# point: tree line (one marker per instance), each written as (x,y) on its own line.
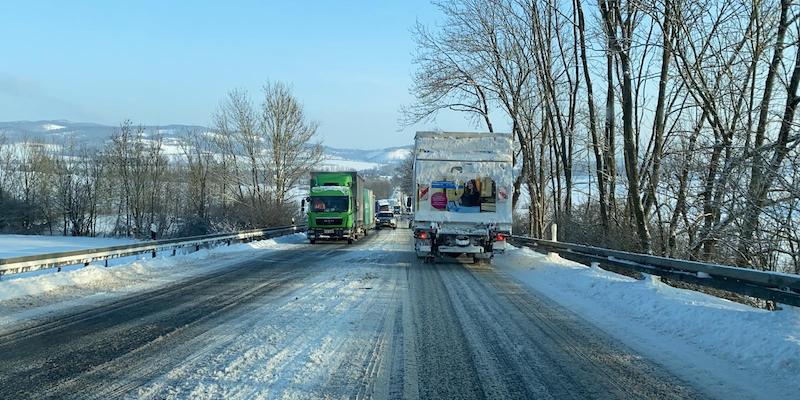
(239,174)
(664,127)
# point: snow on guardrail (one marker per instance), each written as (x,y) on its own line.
(17,265)
(766,285)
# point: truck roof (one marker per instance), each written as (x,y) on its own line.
(438,134)
(464,146)
(330,190)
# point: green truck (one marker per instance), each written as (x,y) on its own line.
(340,207)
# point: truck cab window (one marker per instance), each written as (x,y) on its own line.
(330,203)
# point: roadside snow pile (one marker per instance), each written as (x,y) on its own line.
(657,318)
(140,273)
(25,245)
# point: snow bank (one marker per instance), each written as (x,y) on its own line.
(658,319)
(142,272)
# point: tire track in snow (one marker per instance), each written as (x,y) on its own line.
(358,374)
(304,350)
(361,321)
(55,354)
(601,366)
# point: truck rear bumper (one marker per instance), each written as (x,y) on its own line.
(471,249)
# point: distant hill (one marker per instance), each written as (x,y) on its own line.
(61,132)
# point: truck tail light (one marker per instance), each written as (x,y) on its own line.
(500,237)
(423,235)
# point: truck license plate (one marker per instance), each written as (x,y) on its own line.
(328,231)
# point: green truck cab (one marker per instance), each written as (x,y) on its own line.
(339,207)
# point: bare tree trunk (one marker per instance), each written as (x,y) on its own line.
(629,136)
(596,145)
(756,194)
(659,118)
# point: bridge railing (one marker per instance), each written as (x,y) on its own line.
(766,285)
(17,265)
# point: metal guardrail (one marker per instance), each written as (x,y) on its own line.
(776,286)
(16,265)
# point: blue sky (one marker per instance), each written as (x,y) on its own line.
(163,62)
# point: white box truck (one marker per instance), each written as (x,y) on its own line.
(464,183)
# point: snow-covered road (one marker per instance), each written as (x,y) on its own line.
(329,321)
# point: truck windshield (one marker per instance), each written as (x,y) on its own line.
(330,203)
(385,215)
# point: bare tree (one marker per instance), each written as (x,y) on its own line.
(765,169)
(405,172)
(620,30)
(198,151)
(289,137)
(266,150)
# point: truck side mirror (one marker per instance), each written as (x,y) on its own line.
(303,205)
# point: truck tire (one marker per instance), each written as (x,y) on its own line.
(311,241)
(349,240)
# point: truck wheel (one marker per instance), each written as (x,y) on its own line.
(311,241)
(394,227)
(349,240)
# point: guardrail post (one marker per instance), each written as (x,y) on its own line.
(154,254)
(173,251)
(106,261)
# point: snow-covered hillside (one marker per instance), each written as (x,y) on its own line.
(61,132)
(378,156)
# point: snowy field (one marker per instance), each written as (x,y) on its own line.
(25,245)
(708,340)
